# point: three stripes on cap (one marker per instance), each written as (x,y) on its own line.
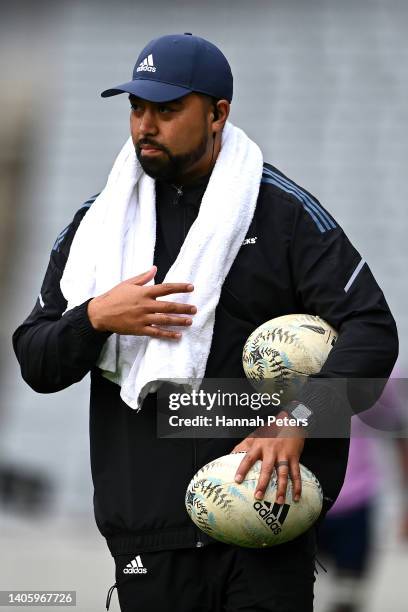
(147,64)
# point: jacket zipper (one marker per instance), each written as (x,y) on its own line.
(198,542)
(179,194)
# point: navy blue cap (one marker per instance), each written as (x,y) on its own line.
(173,66)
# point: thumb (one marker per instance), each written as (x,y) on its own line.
(145,277)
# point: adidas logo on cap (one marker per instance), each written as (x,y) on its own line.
(274,517)
(147,65)
(135,567)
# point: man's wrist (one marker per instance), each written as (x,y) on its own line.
(78,318)
(94,317)
(302,414)
(288,425)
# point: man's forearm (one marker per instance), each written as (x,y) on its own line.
(55,354)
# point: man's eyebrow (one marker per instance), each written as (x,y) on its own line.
(178,101)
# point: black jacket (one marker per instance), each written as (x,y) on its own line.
(295,259)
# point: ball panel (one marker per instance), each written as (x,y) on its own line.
(228,511)
(286,347)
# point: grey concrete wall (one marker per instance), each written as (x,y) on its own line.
(320,85)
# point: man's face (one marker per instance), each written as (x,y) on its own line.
(173,140)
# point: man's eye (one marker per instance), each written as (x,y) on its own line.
(135,106)
(165,109)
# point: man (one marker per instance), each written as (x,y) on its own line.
(294,258)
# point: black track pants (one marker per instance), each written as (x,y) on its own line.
(219,578)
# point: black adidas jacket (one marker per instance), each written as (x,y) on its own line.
(295,259)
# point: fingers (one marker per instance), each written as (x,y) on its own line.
(168,288)
(157,332)
(171,307)
(145,277)
(267,468)
(283,469)
(161,288)
(280,454)
(296,479)
(164,319)
(283,475)
(246,463)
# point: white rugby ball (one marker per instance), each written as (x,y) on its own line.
(229,512)
(288,348)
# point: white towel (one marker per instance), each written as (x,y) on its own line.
(116,240)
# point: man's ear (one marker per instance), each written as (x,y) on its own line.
(222,110)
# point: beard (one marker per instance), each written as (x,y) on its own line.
(169,167)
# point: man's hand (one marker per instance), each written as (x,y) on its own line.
(283,451)
(130,308)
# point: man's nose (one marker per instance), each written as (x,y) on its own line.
(148,124)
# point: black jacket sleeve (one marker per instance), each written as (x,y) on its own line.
(54,349)
(334,282)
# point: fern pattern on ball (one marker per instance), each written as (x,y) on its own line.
(286,350)
(198,509)
(209,466)
(262,360)
(214,492)
(196,505)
